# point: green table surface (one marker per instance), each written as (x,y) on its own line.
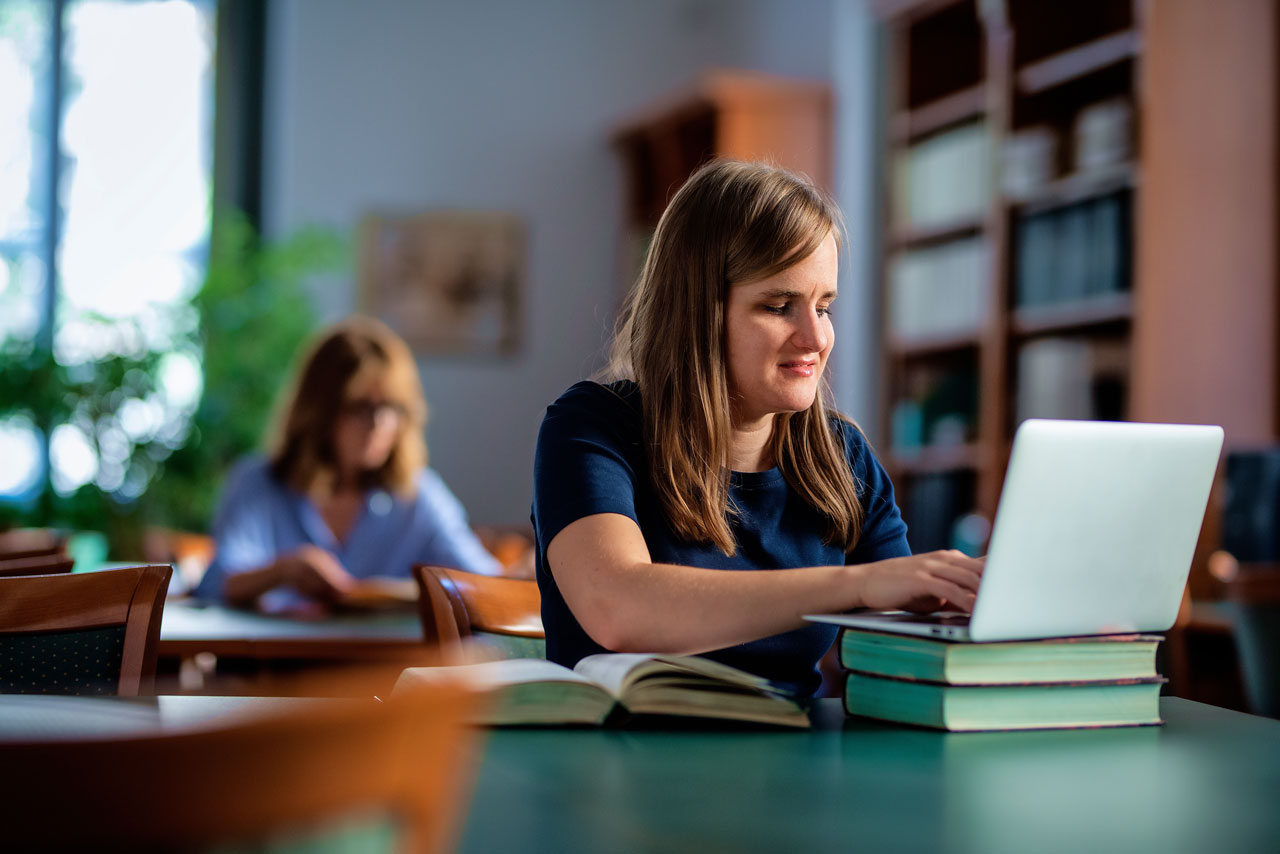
(1207,781)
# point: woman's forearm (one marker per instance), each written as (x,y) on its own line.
(679,609)
(242,589)
(628,603)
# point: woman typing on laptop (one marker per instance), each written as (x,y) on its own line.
(666,500)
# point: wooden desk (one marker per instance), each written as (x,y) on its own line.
(189,629)
(264,655)
(1206,781)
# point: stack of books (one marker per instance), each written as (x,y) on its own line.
(1059,683)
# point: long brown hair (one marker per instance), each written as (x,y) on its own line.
(339,364)
(731,222)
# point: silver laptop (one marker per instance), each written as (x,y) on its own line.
(1094,534)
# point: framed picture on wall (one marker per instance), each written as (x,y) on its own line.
(449,282)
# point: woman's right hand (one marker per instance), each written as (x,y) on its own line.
(926,582)
(315,573)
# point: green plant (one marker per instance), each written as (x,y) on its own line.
(89,397)
(243,328)
(254,316)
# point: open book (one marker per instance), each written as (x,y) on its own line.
(611,686)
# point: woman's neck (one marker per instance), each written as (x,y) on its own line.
(751,446)
(347,483)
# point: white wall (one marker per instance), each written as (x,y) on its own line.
(502,105)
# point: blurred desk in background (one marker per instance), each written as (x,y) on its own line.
(189,628)
(218,649)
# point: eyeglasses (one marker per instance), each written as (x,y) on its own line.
(370,411)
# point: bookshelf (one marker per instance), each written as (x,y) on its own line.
(1007,279)
(727,113)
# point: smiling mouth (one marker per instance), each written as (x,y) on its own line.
(804,367)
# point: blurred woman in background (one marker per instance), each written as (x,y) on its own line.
(345,493)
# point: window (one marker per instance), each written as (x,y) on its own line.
(106,138)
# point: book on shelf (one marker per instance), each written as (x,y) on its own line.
(939,290)
(1103,134)
(1072,377)
(973,708)
(934,501)
(940,409)
(613,687)
(943,179)
(1073,253)
(1249,532)
(1071,659)
(1028,161)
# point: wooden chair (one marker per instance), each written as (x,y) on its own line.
(30,542)
(454,605)
(339,775)
(56,563)
(512,545)
(93,632)
(189,552)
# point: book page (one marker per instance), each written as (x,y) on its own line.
(691,686)
(610,670)
(493,674)
(524,691)
(618,671)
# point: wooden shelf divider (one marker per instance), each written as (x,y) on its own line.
(916,236)
(1076,316)
(933,345)
(954,109)
(1073,64)
(930,459)
(1077,188)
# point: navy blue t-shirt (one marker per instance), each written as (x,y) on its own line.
(591,459)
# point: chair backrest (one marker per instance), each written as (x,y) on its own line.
(93,632)
(30,542)
(453,604)
(49,564)
(394,775)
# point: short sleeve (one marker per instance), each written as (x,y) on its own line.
(589,449)
(884,533)
(447,537)
(242,529)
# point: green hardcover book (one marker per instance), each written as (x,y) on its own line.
(972,708)
(1003,662)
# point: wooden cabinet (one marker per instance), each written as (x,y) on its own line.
(743,115)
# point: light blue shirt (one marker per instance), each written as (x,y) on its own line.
(260,518)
